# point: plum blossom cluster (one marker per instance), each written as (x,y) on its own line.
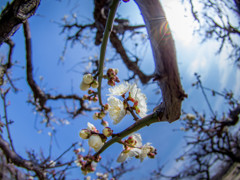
(133,101)
(123,99)
(112,77)
(133,148)
(95,140)
(88,81)
(87,163)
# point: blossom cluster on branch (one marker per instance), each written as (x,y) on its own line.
(123,99)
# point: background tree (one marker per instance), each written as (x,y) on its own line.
(218,20)
(212,143)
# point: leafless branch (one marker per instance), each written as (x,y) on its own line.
(14,14)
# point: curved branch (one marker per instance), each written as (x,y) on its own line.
(13,157)
(15,14)
(39,95)
(166,69)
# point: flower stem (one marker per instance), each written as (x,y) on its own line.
(107,31)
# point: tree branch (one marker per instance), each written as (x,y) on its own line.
(13,157)
(166,69)
(39,95)
(15,14)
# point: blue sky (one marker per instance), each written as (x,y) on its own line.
(48,44)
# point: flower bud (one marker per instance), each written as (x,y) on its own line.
(95,99)
(190,117)
(85,97)
(97,159)
(111,82)
(107,131)
(111,73)
(102,115)
(94,84)
(106,107)
(104,123)
(91,127)
(84,133)
(117,79)
(151,155)
(95,116)
(84,86)
(95,142)
(90,91)
(87,78)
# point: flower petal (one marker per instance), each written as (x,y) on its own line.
(122,157)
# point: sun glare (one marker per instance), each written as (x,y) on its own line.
(180,21)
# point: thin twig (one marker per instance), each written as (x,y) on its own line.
(65,151)
(204,94)
(3,96)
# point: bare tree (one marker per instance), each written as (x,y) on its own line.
(212,142)
(219,20)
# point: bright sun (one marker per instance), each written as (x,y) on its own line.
(181,23)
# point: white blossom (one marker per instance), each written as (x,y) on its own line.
(130,153)
(145,149)
(120,89)
(134,150)
(95,142)
(116,110)
(137,95)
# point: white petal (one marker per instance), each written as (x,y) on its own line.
(116,110)
(134,152)
(91,127)
(122,157)
(119,89)
(138,138)
(95,142)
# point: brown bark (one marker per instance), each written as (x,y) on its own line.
(13,157)
(15,14)
(163,48)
